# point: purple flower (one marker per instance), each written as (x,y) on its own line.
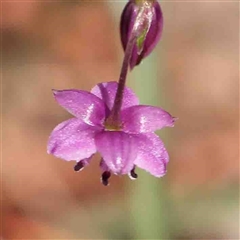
(146,19)
(122,148)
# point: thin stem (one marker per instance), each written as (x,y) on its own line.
(114,115)
(139,26)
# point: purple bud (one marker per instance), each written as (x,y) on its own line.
(143,18)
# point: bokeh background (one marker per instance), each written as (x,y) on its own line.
(193,74)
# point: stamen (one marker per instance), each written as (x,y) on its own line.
(79,166)
(105,176)
(133,175)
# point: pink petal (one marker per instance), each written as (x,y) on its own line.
(107,91)
(83,105)
(142,119)
(72,140)
(118,149)
(152,156)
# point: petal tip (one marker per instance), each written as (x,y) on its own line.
(51,149)
(55,92)
(174,119)
(162,173)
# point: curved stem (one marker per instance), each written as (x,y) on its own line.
(139,26)
(115,113)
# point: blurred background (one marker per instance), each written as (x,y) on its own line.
(193,74)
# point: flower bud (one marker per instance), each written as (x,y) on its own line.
(144,19)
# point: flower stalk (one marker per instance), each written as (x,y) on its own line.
(114,117)
(140,28)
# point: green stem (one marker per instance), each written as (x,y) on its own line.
(148,199)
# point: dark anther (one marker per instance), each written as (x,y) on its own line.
(132,174)
(79,166)
(105,176)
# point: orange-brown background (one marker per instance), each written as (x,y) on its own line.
(62,45)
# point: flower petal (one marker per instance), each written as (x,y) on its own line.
(142,119)
(83,105)
(72,140)
(107,91)
(153,156)
(118,149)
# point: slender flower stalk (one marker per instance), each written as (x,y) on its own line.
(114,117)
(141,25)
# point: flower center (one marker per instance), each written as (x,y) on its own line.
(112,126)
